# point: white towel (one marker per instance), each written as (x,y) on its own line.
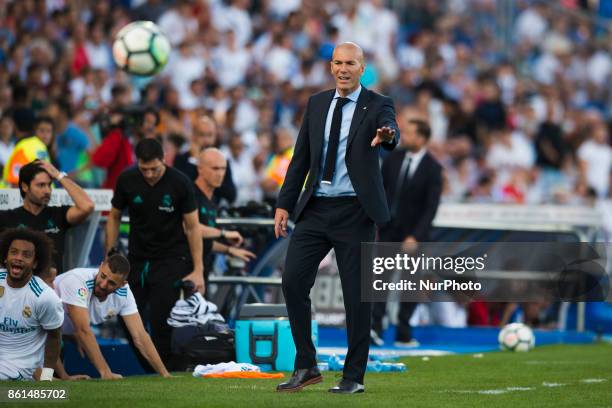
(232,366)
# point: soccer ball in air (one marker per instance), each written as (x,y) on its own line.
(516,337)
(140,48)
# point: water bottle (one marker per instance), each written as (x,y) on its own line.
(323,366)
(334,363)
(395,367)
(390,356)
(375,366)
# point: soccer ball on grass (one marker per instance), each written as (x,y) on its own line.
(516,337)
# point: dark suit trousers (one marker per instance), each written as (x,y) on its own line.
(342,224)
(404,330)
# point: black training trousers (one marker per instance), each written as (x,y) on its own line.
(156,285)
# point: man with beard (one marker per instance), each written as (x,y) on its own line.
(30,312)
(35,180)
(94,295)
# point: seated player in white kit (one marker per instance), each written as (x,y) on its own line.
(92,295)
(30,312)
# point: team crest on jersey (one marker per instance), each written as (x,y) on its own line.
(166,204)
(51,227)
(1,291)
(110,314)
(27,311)
(82,292)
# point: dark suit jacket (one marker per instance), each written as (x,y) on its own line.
(362,161)
(420,196)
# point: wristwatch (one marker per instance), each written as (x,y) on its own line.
(61,175)
(222,234)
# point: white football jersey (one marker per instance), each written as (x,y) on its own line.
(25,315)
(76,287)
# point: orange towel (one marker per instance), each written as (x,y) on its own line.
(245,374)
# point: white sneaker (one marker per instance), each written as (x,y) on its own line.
(375,338)
(411,343)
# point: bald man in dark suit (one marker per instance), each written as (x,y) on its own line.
(338,146)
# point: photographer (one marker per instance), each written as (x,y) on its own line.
(123,128)
(115,153)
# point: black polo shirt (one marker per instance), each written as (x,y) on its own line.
(207,213)
(156,213)
(51,220)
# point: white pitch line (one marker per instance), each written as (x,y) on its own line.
(492,392)
(384,352)
(542,362)
(593,380)
(512,389)
(552,384)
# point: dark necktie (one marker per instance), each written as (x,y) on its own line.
(403,176)
(334,141)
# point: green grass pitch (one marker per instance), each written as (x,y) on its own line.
(549,376)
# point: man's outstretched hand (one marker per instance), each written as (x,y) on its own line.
(384,134)
(281,217)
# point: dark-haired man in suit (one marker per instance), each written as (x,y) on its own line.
(413,183)
(338,145)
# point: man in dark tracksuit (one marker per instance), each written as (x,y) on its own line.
(159,200)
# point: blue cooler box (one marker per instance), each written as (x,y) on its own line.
(263,337)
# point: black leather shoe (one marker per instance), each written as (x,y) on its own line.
(300,379)
(347,387)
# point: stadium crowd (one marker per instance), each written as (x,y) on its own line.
(525,121)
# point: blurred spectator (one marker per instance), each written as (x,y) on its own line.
(490,112)
(230,62)
(509,149)
(531,24)
(72,142)
(204,135)
(551,151)
(276,167)
(147,126)
(97,49)
(235,18)
(149,10)
(115,152)
(179,23)
(595,159)
(7,138)
(186,66)
(29,149)
(245,176)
